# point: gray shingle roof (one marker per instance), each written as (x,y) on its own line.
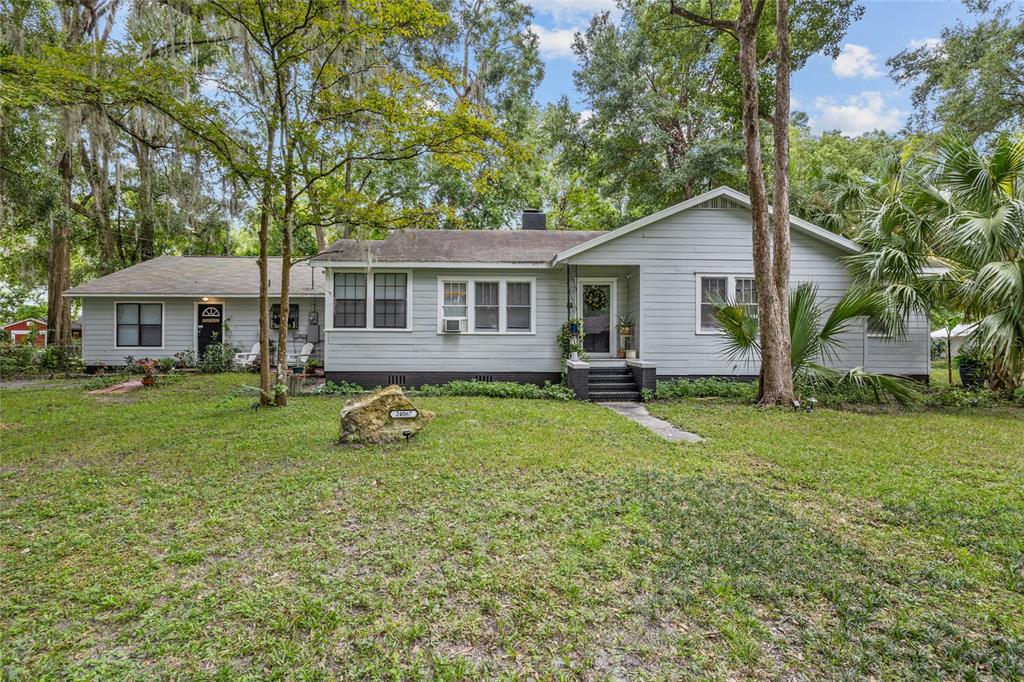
(458,246)
(201,276)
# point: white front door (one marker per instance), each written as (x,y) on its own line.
(596,303)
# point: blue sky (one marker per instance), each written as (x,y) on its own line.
(853,93)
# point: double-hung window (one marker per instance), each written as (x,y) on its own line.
(519,306)
(723,289)
(350,300)
(486,306)
(377,301)
(455,299)
(389,293)
(489,306)
(140,325)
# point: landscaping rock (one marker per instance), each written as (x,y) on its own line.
(368,419)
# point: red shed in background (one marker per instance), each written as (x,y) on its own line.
(19,331)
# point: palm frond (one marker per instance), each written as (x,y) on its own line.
(739,329)
(901,389)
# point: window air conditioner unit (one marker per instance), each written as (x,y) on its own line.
(453,325)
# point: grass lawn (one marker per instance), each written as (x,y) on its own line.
(177,532)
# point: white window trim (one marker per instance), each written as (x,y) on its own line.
(163,327)
(470,318)
(613,311)
(730,294)
(329,300)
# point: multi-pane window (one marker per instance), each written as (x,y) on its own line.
(455,299)
(389,290)
(518,306)
(350,300)
(140,325)
(486,307)
(724,289)
(713,291)
(293,316)
(746,295)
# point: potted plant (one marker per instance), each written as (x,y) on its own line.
(313,368)
(973,363)
(626,332)
(148,366)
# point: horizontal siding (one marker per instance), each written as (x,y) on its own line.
(423,349)
(672,252)
(241,317)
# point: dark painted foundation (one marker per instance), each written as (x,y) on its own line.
(416,379)
(750,378)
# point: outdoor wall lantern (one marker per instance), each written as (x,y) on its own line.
(206,298)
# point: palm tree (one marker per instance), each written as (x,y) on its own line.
(964,211)
(980,235)
(816,339)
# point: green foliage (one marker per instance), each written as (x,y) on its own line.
(28,359)
(166,364)
(965,208)
(567,343)
(218,357)
(185,359)
(706,388)
(656,132)
(341,388)
(499,389)
(815,339)
(969,81)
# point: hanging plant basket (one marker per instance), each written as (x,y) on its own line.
(596,298)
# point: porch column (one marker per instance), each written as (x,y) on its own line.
(577,377)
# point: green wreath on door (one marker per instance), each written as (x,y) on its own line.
(596,298)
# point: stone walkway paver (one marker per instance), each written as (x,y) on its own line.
(117,389)
(639,414)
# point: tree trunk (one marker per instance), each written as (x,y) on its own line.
(315,209)
(780,388)
(286,267)
(147,223)
(265,209)
(774,378)
(58,276)
(949,356)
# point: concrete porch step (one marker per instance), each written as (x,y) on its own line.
(615,396)
(612,386)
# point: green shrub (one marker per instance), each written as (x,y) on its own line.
(218,357)
(166,364)
(340,388)
(499,389)
(17,358)
(957,396)
(706,388)
(26,358)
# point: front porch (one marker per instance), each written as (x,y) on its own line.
(607,301)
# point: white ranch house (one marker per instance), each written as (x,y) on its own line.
(428,306)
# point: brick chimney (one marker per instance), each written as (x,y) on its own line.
(534,219)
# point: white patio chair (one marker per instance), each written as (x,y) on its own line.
(246,359)
(299,359)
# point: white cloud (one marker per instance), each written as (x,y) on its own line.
(854,61)
(794,103)
(930,43)
(555,43)
(857,114)
(572,11)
